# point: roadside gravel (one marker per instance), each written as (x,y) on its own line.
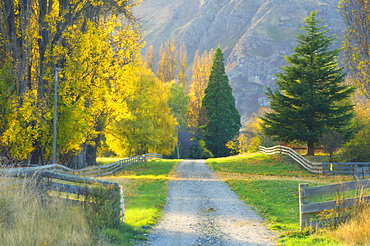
(202,210)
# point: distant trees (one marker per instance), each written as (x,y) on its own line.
(168,61)
(149,58)
(311,98)
(200,128)
(356,15)
(222,118)
(183,64)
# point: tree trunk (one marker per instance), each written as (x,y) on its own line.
(311,148)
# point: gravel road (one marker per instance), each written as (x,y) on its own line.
(202,210)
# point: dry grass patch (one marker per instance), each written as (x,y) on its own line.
(25,219)
(357,230)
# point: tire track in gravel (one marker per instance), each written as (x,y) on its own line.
(202,210)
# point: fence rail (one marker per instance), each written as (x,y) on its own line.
(93,171)
(306,208)
(313,167)
(59,179)
(358,169)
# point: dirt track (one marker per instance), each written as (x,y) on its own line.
(202,210)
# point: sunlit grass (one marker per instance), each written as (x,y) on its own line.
(145,187)
(101,161)
(258,164)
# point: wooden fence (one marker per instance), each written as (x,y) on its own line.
(357,169)
(339,205)
(93,171)
(68,184)
(313,167)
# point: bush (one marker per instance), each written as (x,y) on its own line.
(357,149)
(199,151)
(104,209)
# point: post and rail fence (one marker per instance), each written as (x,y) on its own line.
(75,186)
(339,205)
(313,167)
(307,208)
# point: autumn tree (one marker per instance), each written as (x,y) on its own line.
(148,125)
(201,70)
(310,99)
(183,64)
(356,15)
(168,61)
(149,58)
(222,117)
(90,43)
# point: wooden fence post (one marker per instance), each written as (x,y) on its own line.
(122,202)
(303,218)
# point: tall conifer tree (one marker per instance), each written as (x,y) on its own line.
(223,119)
(311,98)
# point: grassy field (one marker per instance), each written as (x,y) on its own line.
(145,187)
(270,183)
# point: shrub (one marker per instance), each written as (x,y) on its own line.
(199,151)
(357,149)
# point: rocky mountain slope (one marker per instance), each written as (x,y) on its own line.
(254,35)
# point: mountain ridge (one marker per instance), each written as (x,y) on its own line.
(254,36)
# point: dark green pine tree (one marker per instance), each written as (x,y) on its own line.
(311,98)
(222,117)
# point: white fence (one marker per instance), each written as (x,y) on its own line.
(313,167)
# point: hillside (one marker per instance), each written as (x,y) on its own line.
(254,35)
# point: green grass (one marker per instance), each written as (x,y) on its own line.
(258,164)
(101,161)
(270,184)
(145,187)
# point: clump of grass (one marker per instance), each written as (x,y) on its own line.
(26,219)
(355,231)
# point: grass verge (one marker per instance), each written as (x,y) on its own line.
(145,187)
(270,184)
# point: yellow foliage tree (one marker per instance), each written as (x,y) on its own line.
(356,15)
(149,127)
(182,77)
(149,58)
(89,46)
(202,66)
(168,62)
